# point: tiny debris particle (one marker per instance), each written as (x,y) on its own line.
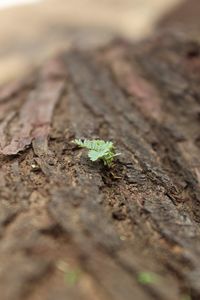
(122,238)
(35,167)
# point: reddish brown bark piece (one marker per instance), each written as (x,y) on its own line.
(73,229)
(133,82)
(35,116)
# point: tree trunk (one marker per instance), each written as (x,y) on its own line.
(74,229)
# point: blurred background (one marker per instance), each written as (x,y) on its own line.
(33,30)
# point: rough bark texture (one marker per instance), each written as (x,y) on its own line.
(72,229)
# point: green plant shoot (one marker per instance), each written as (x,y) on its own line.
(147,278)
(99,150)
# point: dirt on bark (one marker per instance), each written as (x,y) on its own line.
(73,229)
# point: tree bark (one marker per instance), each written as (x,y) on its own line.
(73,229)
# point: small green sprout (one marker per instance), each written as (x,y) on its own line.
(147,278)
(71,275)
(99,149)
(186,297)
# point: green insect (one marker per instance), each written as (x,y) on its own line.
(99,150)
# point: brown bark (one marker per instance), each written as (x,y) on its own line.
(72,229)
